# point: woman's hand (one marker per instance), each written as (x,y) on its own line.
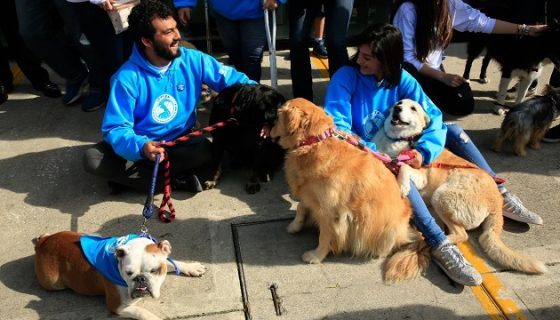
(107,5)
(151,149)
(452,80)
(184,15)
(415,162)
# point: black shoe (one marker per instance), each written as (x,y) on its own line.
(188,183)
(4,89)
(116,188)
(48,89)
(553,135)
(319,48)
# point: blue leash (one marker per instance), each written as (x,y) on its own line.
(149,210)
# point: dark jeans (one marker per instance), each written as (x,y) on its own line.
(301,16)
(244,41)
(29,64)
(107,47)
(50,29)
(455,101)
(191,157)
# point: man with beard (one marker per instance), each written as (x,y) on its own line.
(152,99)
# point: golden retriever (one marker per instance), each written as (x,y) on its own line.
(348,193)
(462,195)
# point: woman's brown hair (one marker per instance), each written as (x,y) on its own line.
(433,26)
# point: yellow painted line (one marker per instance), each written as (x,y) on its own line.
(488,293)
(321,64)
(18,75)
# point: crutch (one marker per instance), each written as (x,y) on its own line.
(271,39)
(207,24)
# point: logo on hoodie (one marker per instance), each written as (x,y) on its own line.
(372,123)
(164,109)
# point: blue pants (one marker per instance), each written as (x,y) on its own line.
(458,142)
(301,15)
(244,41)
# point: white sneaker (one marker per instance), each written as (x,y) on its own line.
(448,257)
(515,210)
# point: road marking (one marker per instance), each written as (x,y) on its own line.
(488,293)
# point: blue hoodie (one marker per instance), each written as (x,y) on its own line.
(147,105)
(231,9)
(359,104)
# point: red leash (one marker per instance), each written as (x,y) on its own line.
(462,166)
(166,200)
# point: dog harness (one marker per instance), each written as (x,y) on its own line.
(100,253)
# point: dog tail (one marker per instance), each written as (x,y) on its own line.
(408,262)
(40,239)
(497,250)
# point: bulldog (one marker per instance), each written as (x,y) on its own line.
(123,269)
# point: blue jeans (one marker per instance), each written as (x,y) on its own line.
(55,43)
(458,142)
(244,41)
(301,15)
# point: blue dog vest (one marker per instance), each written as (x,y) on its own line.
(100,253)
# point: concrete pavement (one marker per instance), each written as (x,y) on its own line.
(241,238)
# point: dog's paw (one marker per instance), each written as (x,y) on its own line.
(311,257)
(252,187)
(193,269)
(294,227)
(405,189)
(209,184)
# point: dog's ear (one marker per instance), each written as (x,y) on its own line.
(295,119)
(121,251)
(165,247)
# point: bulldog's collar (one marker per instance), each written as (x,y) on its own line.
(154,240)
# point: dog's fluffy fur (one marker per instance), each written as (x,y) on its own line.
(463,198)
(255,108)
(348,193)
(527,123)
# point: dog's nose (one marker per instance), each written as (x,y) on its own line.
(397,109)
(140,279)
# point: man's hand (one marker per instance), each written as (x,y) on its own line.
(184,15)
(151,149)
(415,162)
(270,5)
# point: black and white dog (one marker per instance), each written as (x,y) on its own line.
(254,107)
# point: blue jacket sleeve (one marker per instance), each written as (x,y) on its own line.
(118,122)
(338,102)
(432,141)
(218,76)
(184,3)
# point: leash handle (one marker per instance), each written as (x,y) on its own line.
(148,211)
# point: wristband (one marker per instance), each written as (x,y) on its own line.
(523,30)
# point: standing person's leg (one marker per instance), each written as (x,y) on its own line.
(47,41)
(455,101)
(445,254)
(107,50)
(300,16)
(458,142)
(253,40)
(337,20)
(231,38)
(29,64)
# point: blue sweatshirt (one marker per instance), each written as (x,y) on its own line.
(232,9)
(359,105)
(147,105)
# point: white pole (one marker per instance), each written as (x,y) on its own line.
(271,39)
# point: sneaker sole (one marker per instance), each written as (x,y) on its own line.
(455,279)
(551,140)
(94,108)
(536,221)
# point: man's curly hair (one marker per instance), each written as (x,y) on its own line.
(140,19)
